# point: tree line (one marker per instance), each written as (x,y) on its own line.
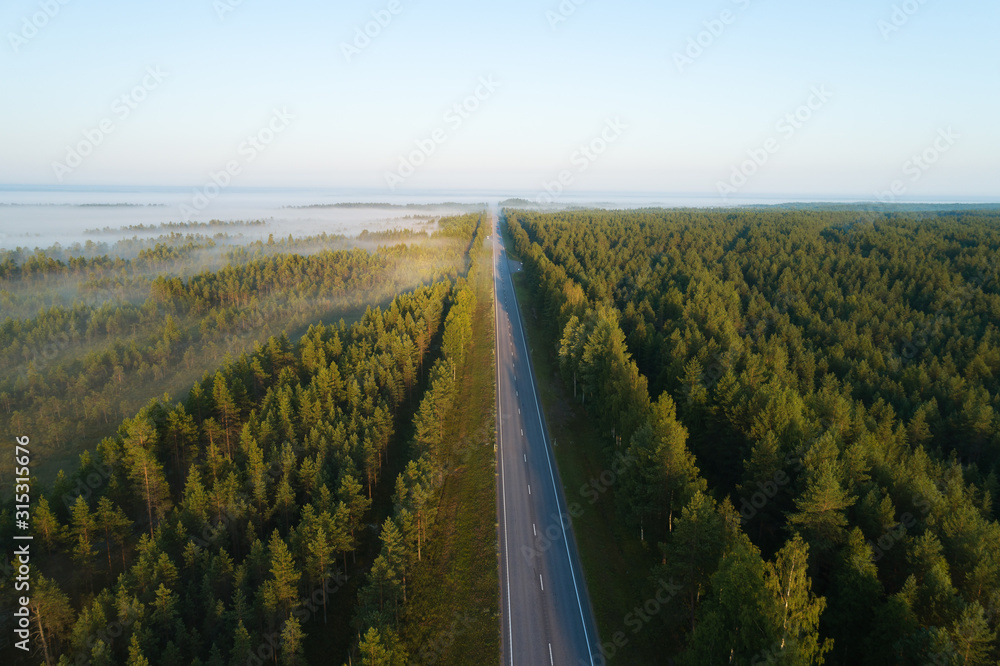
(70,372)
(381,611)
(228,527)
(220,521)
(811,400)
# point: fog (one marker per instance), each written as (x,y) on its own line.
(36,216)
(40,226)
(33,217)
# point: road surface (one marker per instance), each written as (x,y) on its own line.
(546,614)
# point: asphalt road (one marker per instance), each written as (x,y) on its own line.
(546,614)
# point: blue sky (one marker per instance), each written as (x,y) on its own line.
(887,96)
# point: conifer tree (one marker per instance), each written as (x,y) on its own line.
(51,617)
(145,471)
(280,592)
(291,642)
(47,526)
(114,524)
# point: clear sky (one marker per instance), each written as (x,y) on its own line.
(895,79)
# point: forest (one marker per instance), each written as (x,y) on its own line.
(91,332)
(808,401)
(284,509)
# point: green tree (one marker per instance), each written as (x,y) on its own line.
(373,652)
(381,648)
(458,327)
(292,637)
(973,639)
(145,471)
(660,473)
(692,551)
(316,534)
(242,646)
(135,653)
(821,509)
(859,595)
(164,610)
(114,524)
(182,435)
(395,550)
(83,530)
(47,525)
(357,504)
(51,616)
(735,625)
(280,592)
(227,411)
(795,609)
(760,472)
(571,349)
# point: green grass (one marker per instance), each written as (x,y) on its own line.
(616,563)
(453,613)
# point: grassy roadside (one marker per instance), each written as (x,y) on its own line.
(453,612)
(616,563)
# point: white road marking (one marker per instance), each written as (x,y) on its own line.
(529,488)
(525,457)
(551,663)
(533,530)
(548,458)
(540,582)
